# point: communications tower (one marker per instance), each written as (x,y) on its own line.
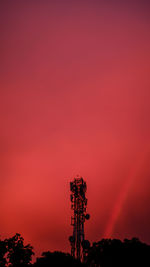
(78,243)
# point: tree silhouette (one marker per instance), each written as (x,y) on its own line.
(138,252)
(56,259)
(18,255)
(3,250)
(115,253)
(105,253)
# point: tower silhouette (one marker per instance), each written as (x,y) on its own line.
(78,243)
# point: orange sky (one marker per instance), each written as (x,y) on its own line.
(74,99)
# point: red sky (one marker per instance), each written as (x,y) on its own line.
(74,99)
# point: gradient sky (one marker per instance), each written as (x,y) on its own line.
(74,99)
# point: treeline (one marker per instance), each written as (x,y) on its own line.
(105,253)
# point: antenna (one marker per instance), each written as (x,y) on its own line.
(79,245)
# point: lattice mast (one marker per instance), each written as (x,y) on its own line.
(78,243)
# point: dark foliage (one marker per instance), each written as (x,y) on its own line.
(19,255)
(3,250)
(56,259)
(114,253)
(14,253)
(105,253)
